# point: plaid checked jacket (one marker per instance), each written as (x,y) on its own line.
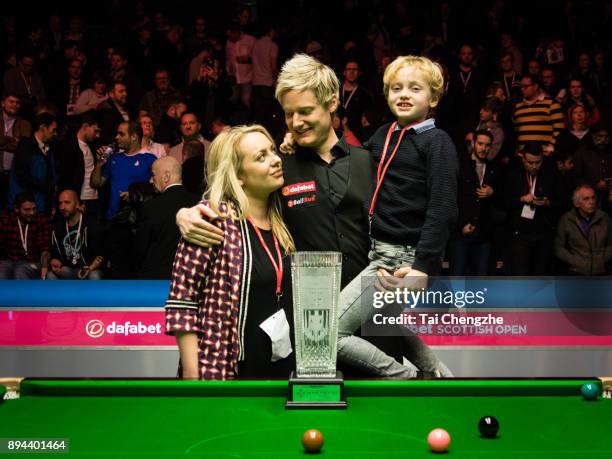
(209,296)
(10,240)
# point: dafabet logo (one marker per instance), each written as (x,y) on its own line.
(95,328)
(297,188)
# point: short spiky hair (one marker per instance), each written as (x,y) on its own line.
(432,73)
(303,72)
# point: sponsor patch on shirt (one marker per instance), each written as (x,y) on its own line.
(302,200)
(298,188)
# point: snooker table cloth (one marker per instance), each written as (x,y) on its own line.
(247,419)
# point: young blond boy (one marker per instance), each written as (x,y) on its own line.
(411,212)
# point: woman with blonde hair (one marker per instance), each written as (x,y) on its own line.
(230,305)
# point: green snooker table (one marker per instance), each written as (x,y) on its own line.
(244,419)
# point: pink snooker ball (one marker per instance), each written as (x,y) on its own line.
(438,440)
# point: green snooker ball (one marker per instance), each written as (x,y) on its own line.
(590,391)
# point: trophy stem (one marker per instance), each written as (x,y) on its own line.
(316,289)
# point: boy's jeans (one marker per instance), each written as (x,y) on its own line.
(359,352)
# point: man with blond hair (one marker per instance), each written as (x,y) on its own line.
(326,180)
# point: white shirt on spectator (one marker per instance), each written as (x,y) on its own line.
(153,147)
(242,48)
(177,150)
(265,55)
(125,114)
(7,156)
(43,146)
(87,192)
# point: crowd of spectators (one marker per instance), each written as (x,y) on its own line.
(90,103)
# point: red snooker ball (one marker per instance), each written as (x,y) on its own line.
(438,440)
(312,441)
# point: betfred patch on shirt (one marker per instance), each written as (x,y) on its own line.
(301,201)
(297,188)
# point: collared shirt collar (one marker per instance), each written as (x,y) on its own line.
(170,186)
(540,98)
(340,148)
(199,138)
(421,127)
(43,146)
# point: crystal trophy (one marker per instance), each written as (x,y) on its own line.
(316,288)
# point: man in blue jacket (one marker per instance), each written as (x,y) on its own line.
(34,165)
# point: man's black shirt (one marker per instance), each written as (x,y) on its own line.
(323,206)
(82,244)
(323,203)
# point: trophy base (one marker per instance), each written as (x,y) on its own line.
(317,393)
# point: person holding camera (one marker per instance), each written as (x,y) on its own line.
(203,90)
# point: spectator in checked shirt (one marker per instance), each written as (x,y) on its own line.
(24,241)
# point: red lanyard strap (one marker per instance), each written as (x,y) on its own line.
(278,268)
(382,167)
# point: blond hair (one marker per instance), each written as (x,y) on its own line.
(223,165)
(303,72)
(432,73)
